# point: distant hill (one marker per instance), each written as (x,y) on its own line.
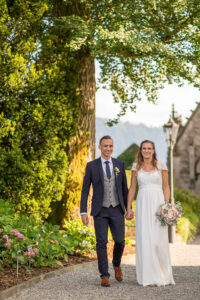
(125,134)
(128,156)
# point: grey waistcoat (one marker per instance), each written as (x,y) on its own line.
(110,192)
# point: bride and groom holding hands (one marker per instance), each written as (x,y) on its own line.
(112,200)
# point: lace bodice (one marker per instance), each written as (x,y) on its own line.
(152,178)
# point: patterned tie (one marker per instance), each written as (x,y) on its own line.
(108,169)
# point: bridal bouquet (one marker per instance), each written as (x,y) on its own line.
(168,213)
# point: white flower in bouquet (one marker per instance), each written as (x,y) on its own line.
(168,213)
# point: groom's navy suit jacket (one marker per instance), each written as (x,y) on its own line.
(94,176)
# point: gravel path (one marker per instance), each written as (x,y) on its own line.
(85,283)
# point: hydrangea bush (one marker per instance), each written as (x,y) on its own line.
(30,241)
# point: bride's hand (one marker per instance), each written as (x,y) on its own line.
(129,214)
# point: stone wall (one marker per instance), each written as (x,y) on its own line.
(187,155)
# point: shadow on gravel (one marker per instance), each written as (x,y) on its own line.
(187,274)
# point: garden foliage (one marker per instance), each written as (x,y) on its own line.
(39,108)
(35,243)
(187,226)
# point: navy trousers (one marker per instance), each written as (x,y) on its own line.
(112,217)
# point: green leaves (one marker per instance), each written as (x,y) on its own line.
(39,104)
(143,44)
(188,224)
(52,244)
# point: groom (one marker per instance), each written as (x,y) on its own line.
(108,179)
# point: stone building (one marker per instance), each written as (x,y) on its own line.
(187,154)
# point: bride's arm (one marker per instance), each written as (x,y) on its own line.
(131,193)
(166,190)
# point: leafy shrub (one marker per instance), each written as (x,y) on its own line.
(185,229)
(187,225)
(40,106)
(82,237)
(187,197)
(40,244)
(129,241)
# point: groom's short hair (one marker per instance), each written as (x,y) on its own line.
(105,137)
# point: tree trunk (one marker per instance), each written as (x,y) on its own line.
(82,147)
(86,123)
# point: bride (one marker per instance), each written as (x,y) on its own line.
(153,266)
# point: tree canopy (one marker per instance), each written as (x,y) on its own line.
(140,45)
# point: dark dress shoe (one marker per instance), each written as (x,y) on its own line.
(105,281)
(118,273)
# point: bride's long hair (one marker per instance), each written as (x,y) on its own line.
(139,159)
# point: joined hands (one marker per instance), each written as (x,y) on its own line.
(129,214)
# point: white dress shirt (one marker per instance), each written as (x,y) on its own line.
(104,170)
(104,165)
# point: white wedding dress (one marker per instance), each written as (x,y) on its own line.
(153,265)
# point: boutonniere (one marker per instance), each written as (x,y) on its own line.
(117,171)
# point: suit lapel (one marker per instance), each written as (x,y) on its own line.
(100,170)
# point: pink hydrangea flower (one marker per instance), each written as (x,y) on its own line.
(29,254)
(5,237)
(13,231)
(7,245)
(36,250)
(20,236)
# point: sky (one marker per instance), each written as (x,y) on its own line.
(184,99)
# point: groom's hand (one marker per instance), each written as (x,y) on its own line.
(129,215)
(85,219)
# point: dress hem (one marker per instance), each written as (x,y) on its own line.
(157,284)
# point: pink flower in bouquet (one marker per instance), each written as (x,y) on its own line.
(174,213)
(159,211)
(168,213)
